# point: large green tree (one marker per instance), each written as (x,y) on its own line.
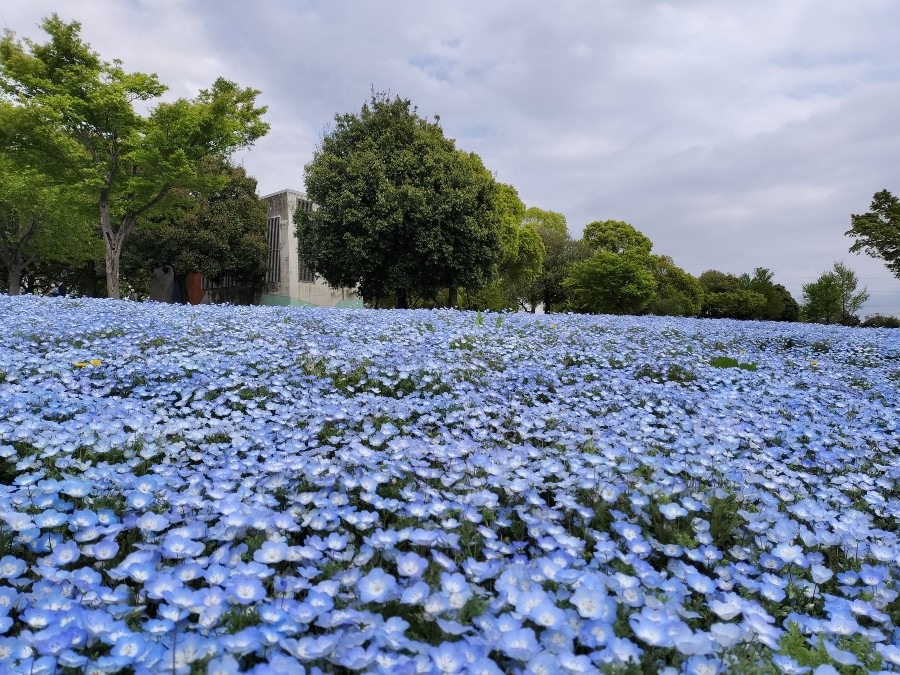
(400,209)
(611,283)
(616,236)
(822,300)
(225,236)
(878,231)
(80,119)
(522,252)
(762,282)
(833,297)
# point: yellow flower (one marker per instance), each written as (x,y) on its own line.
(815,363)
(95,362)
(80,364)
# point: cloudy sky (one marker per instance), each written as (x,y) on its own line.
(734,134)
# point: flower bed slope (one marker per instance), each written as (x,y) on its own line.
(220,489)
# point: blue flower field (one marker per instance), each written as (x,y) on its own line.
(223,490)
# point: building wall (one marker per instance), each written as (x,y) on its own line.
(290,283)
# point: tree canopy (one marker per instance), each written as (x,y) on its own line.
(878,231)
(677,292)
(616,236)
(38,224)
(75,117)
(400,209)
(224,236)
(833,297)
(611,283)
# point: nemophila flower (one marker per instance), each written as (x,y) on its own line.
(447,657)
(788,665)
(65,554)
(11,567)
(871,575)
(177,546)
(621,651)
(728,607)
(18,521)
(519,643)
(129,647)
(376,586)
(271,552)
(416,594)
(245,589)
(223,665)
(310,648)
(672,510)
(152,522)
(242,642)
(411,564)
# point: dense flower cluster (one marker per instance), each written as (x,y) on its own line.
(272,490)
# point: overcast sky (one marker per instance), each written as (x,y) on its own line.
(734,134)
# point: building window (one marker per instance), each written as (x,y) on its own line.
(273,273)
(306,274)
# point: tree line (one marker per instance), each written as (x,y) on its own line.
(101,180)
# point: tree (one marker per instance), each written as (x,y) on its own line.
(677,292)
(851,300)
(561,253)
(399,207)
(76,118)
(725,296)
(611,283)
(615,236)
(38,224)
(225,236)
(547,220)
(822,300)
(761,282)
(522,252)
(878,231)
(790,308)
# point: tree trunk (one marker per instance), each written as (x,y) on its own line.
(114,241)
(402,299)
(15,278)
(113,254)
(452,296)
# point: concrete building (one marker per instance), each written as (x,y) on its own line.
(289,281)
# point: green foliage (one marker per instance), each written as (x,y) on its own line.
(39,225)
(611,283)
(821,347)
(833,297)
(400,208)
(790,308)
(673,373)
(879,321)
(728,362)
(561,253)
(726,296)
(615,236)
(522,256)
(224,236)
(878,231)
(808,654)
(761,282)
(677,292)
(77,121)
